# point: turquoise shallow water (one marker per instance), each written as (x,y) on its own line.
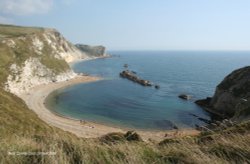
(120,102)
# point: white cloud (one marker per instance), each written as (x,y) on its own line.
(25,7)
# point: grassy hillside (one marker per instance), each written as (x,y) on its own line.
(10,31)
(22,131)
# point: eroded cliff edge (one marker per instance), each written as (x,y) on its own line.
(232,96)
(32,56)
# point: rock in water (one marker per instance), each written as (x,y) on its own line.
(185,97)
(157,87)
(131,76)
(204,102)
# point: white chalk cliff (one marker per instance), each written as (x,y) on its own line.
(42,57)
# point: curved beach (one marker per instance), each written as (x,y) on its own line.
(36,97)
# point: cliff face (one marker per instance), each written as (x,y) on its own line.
(93,51)
(33,56)
(232,95)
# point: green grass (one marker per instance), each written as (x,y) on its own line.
(6,58)
(56,65)
(9,31)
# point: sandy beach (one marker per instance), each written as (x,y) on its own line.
(36,97)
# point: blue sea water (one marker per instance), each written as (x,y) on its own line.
(119,102)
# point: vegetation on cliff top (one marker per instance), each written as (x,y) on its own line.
(9,31)
(238,77)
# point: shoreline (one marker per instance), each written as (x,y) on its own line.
(72,63)
(123,128)
(35,100)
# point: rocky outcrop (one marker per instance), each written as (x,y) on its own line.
(34,56)
(33,73)
(62,48)
(92,51)
(232,95)
(131,76)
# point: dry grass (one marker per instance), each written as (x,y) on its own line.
(22,131)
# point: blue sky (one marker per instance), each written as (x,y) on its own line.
(139,24)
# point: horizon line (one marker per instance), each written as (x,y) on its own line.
(178,50)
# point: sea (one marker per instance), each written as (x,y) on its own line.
(118,102)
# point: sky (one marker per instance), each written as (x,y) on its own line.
(139,24)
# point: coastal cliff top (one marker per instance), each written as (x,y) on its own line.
(9,31)
(237,82)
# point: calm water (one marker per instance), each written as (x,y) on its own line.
(120,102)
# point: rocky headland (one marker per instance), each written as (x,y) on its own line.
(232,96)
(32,56)
(94,51)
